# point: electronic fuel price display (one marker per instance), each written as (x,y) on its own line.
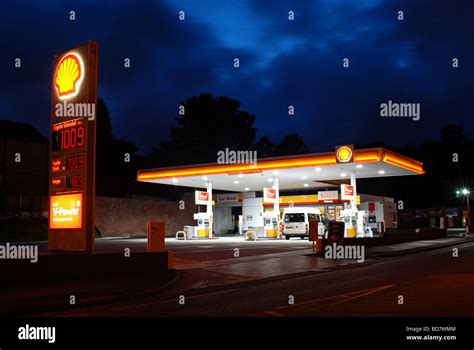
(68,135)
(72,150)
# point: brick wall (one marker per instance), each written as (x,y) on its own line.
(120,216)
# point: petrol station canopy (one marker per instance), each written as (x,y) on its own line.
(294,172)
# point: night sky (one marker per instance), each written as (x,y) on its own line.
(282,63)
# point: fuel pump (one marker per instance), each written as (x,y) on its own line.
(372,220)
(356,223)
(270,222)
(363,224)
(203,225)
(350,222)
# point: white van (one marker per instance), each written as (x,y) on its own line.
(295,222)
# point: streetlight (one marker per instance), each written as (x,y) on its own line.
(465,192)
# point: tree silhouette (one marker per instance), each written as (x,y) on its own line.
(291,144)
(114,175)
(209,124)
(452,134)
(448,166)
(264,147)
(104,124)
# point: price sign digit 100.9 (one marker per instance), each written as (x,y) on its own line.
(68,135)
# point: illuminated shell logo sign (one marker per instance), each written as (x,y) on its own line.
(69,75)
(344,154)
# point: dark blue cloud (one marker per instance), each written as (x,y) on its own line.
(282,63)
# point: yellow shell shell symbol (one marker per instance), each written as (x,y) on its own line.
(344,154)
(68,74)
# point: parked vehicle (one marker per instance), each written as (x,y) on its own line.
(295,222)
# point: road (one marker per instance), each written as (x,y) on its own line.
(433,283)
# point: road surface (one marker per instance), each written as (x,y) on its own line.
(433,283)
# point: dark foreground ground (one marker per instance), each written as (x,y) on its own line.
(432,283)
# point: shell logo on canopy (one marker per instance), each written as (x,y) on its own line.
(344,154)
(69,76)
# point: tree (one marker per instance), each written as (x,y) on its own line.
(264,147)
(115,169)
(452,134)
(447,163)
(104,124)
(209,124)
(103,147)
(291,144)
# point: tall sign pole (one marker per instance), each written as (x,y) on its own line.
(73,149)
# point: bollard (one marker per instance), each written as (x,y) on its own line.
(156,236)
(314,237)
